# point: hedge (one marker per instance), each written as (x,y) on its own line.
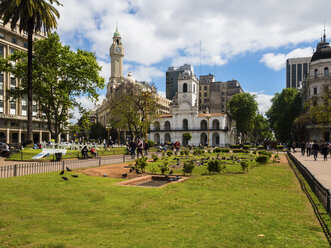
(262,159)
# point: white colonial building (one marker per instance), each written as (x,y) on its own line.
(185,117)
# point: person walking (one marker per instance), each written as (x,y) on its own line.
(308,148)
(325,151)
(303,148)
(140,148)
(133,149)
(146,147)
(315,149)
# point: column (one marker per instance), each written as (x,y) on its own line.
(7,136)
(59,137)
(40,137)
(20,136)
(67,137)
(49,136)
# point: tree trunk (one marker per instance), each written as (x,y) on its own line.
(29,126)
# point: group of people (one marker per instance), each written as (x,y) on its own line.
(139,146)
(85,152)
(312,148)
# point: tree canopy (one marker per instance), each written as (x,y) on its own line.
(286,106)
(243,109)
(60,75)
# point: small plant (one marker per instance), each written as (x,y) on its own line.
(169,153)
(263,152)
(163,155)
(188,167)
(276,158)
(260,147)
(151,143)
(279,147)
(262,159)
(209,151)
(196,152)
(244,165)
(155,157)
(164,168)
(141,163)
(153,169)
(186,152)
(182,153)
(235,146)
(215,166)
(219,150)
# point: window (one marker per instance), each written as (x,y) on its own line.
(25,45)
(167,125)
(315,91)
(185,124)
(205,101)
(1,22)
(184,87)
(14,40)
(12,51)
(299,76)
(205,94)
(1,50)
(2,35)
(205,87)
(12,107)
(193,88)
(203,125)
(315,73)
(326,72)
(294,73)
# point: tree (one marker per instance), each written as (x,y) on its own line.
(97,131)
(243,109)
(60,76)
(133,109)
(31,16)
(261,129)
(187,137)
(286,106)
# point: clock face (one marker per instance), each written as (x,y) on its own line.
(118,49)
(184,95)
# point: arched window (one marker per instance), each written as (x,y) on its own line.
(326,72)
(184,87)
(117,42)
(157,138)
(167,126)
(203,125)
(167,137)
(185,124)
(315,73)
(157,125)
(216,124)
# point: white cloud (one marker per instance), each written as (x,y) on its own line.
(86,103)
(156,30)
(143,73)
(277,61)
(263,100)
(162,93)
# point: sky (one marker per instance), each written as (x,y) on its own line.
(244,40)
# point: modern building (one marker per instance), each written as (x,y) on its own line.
(296,71)
(215,95)
(317,90)
(185,117)
(118,84)
(172,75)
(13,112)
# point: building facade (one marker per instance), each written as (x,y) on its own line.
(296,71)
(13,112)
(185,117)
(172,75)
(317,89)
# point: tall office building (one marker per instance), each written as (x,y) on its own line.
(296,71)
(172,75)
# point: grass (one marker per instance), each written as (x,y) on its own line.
(225,210)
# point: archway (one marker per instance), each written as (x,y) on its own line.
(157,126)
(216,124)
(216,139)
(203,125)
(203,139)
(157,138)
(167,138)
(167,126)
(185,124)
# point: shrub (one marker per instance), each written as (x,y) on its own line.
(217,150)
(215,166)
(263,152)
(240,151)
(196,152)
(276,157)
(141,163)
(169,153)
(262,159)
(186,152)
(163,155)
(279,147)
(153,169)
(202,152)
(235,146)
(260,147)
(188,167)
(182,153)
(150,143)
(209,151)
(155,158)
(247,147)
(164,168)
(244,165)
(254,152)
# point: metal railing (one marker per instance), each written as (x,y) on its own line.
(322,193)
(43,167)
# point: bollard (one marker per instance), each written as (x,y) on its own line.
(63,165)
(15,170)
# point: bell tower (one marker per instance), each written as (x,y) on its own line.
(116,53)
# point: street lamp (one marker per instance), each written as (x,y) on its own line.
(108,127)
(208,115)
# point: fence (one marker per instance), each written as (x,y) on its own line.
(320,191)
(43,167)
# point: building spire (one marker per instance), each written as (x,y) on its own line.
(324,36)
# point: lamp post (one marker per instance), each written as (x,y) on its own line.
(119,137)
(208,115)
(108,127)
(145,93)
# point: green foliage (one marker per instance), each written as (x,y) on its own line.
(263,152)
(240,151)
(215,166)
(243,108)
(186,152)
(163,154)
(280,147)
(198,152)
(285,108)
(164,168)
(188,167)
(276,157)
(155,157)
(187,136)
(153,169)
(150,143)
(182,153)
(260,147)
(219,150)
(262,159)
(261,129)
(141,163)
(244,165)
(209,151)
(246,147)
(169,153)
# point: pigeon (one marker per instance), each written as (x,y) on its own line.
(74,176)
(62,172)
(68,169)
(171,172)
(131,170)
(124,175)
(65,178)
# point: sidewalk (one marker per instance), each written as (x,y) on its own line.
(320,169)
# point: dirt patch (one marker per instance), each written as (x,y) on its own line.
(113,171)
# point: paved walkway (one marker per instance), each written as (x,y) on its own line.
(320,169)
(5,163)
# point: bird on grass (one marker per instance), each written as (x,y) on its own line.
(74,176)
(171,172)
(124,175)
(65,178)
(62,172)
(137,171)
(131,170)
(68,169)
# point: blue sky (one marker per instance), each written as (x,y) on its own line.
(244,40)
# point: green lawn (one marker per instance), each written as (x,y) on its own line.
(262,208)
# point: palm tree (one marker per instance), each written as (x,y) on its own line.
(31,16)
